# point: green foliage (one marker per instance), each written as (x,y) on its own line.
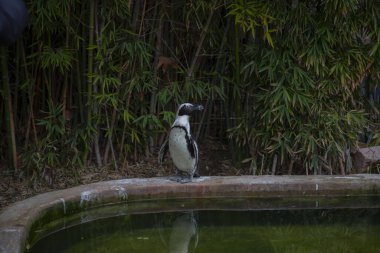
(306,107)
(57,149)
(281,79)
(250,15)
(60,59)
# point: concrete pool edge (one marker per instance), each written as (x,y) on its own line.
(16,220)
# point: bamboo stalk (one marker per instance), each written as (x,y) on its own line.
(11,135)
(205,30)
(110,144)
(135,13)
(341,166)
(94,105)
(17,79)
(30,93)
(274,164)
(90,67)
(66,75)
(142,18)
(263,158)
(82,70)
(218,68)
(153,96)
(290,169)
(237,99)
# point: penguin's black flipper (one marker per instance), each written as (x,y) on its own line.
(163,150)
(195,146)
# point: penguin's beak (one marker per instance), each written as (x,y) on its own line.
(188,109)
(198,107)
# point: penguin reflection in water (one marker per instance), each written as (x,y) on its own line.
(182,147)
(178,232)
(184,230)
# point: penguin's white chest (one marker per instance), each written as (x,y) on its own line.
(179,152)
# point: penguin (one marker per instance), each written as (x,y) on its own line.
(182,147)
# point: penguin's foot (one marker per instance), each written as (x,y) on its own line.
(175,178)
(180,179)
(185,180)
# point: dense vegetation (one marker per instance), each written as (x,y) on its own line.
(289,85)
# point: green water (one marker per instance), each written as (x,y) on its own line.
(314,230)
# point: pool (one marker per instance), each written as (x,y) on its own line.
(212,214)
(230,226)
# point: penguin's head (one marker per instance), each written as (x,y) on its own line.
(187,109)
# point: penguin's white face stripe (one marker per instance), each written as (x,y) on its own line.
(187,109)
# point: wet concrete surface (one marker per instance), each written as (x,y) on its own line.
(17,219)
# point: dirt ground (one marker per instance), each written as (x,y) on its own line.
(215,161)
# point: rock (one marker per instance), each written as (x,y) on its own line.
(365,158)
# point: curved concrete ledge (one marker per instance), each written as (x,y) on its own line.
(17,219)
